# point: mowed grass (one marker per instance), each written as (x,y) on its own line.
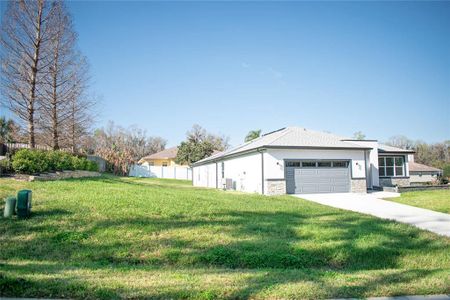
(114,237)
(437,200)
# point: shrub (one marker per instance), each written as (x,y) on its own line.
(64,161)
(28,161)
(92,166)
(56,160)
(446,169)
(81,163)
(5,166)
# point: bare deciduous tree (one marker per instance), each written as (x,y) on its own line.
(80,113)
(25,36)
(122,147)
(65,78)
(401,141)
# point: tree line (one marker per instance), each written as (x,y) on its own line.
(44,77)
(432,154)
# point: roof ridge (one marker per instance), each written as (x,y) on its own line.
(288,129)
(350,142)
(270,132)
(254,140)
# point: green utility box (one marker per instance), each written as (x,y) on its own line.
(10,206)
(24,203)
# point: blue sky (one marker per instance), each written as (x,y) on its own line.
(382,68)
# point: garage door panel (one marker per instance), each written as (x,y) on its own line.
(306,172)
(340,181)
(332,172)
(308,188)
(313,180)
(317,180)
(324,188)
(340,189)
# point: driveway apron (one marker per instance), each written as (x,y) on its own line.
(371,204)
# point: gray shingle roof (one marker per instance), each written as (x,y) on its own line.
(387,148)
(295,137)
(416,167)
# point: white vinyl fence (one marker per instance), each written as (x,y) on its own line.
(161,172)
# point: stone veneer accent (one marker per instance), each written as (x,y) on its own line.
(358,185)
(392,181)
(275,187)
(56,175)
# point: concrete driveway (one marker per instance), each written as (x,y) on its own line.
(372,204)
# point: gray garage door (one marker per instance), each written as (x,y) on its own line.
(304,177)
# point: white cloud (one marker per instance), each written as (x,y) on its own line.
(275,73)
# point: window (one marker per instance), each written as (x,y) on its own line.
(309,164)
(340,164)
(223,170)
(399,166)
(381,168)
(391,166)
(293,164)
(164,164)
(324,164)
(319,164)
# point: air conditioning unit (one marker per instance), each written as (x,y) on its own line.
(227,184)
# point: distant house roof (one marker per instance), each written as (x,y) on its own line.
(290,137)
(416,167)
(169,153)
(386,148)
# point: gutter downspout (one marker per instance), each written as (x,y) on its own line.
(368,172)
(262,170)
(217,177)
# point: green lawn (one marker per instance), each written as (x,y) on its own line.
(437,200)
(116,237)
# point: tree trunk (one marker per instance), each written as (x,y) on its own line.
(55,137)
(72,131)
(54,117)
(34,70)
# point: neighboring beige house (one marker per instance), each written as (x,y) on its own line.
(164,158)
(422,174)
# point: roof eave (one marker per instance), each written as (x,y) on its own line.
(319,147)
(396,152)
(217,159)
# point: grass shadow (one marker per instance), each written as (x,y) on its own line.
(308,244)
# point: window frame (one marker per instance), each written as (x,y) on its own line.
(382,168)
(345,162)
(314,164)
(324,164)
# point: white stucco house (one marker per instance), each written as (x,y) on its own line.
(296,160)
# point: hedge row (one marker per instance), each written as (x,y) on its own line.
(27,161)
